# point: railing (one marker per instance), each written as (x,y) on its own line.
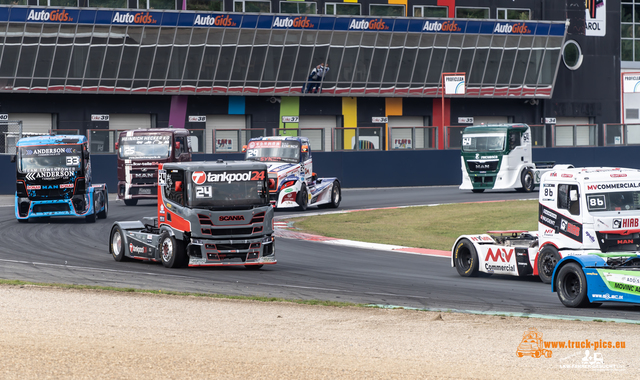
(316,136)
(102,141)
(198,138)
(538,136)
(621,134)
(453,136)
(64,132)
(360,138)
(575,135)
(413,138)
(232,140)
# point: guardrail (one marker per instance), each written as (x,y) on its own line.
(360,138)
(413,138)
(316,136)
(621,134)
(575,135)
(232,140)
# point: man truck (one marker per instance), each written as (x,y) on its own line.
(139,152)
(208,214)
(53,178)
(498,156)
(581,211)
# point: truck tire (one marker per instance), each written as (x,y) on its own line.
(547,260)
(571,285)
(130,202)
(466,259)
(527,181)
(103,214)
(303,198)
(336,197)
(116,244)
(172,252)
(477,190)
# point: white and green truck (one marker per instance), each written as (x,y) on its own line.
(498,156)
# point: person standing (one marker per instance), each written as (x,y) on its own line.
(314,79)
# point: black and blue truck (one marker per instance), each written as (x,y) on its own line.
(53,178)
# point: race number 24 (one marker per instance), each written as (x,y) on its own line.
(257,176)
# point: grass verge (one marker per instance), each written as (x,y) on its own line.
(433,227)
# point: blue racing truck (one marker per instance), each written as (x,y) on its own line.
(53,178)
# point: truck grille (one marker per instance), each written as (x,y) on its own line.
(51,207)
(481,166)
(228,231)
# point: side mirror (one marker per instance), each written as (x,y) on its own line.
(117,145)
(244,149)
(177,145)
(85,154)
(178,185)
(13,158)
(573,195)
(305,148)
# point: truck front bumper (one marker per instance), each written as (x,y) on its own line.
(209,252)
(76,206)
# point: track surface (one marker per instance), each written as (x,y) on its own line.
(72,252)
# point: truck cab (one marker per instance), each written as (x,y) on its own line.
(208,214)
(53,178)
(139,152)
(498,156)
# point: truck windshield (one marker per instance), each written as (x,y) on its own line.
(53,161)
(273,150)
(232,190)
(615,201)
(484,142)
(144,146)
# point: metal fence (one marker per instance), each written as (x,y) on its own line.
(575,135)
(413,138)
(316,136)
(621,134)
(11,133)
(232,140)
(360,138)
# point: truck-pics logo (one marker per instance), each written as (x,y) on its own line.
(55,15)
(532,345)
(136,18)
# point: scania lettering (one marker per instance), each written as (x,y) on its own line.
(576,217)
(203,224)
(499,156)
(53,176)
(139,153)
(292,182)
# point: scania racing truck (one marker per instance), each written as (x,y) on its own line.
(208,214)
(53,178)
(581,211)
(498,156)
(139,153)
(292,182)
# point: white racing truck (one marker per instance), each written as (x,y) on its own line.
(498,156)
(581,211)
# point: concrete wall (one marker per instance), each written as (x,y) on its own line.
(379,168)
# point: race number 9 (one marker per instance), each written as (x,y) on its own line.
(73,160)
(204,192)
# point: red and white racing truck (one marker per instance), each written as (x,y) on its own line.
(292,182)
(581,211)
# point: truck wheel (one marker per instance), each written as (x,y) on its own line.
(477,190)
(253,267)
(303,198)
(571,286)
(466,259)
(547,260)
(103,214)
(336,197)
(116,244)
(172,252)
(527,181)
(130,202)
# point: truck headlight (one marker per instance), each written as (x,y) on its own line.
(196,241)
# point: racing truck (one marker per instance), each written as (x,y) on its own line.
(53,178)
(292,182)
(208,214)
(498,156)
(581,211)
(139,152)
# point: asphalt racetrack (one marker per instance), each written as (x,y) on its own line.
(70,251)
